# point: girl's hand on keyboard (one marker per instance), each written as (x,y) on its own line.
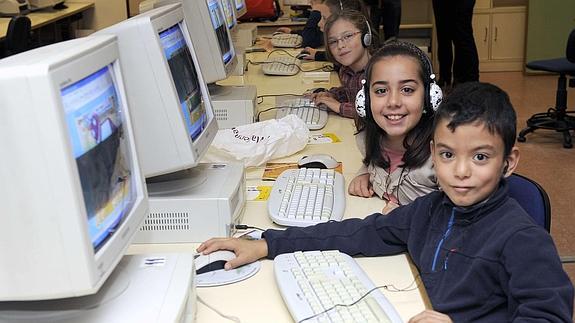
(360,186)
(247,251)
(328,100)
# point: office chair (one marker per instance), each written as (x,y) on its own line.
(533,198)
(556,118)
(17,36)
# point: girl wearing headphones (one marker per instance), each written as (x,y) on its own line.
(349,42)
(396,106)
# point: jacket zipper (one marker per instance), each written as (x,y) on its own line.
(445,235)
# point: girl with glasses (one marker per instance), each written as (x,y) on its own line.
(349,42)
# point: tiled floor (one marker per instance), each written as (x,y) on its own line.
(543,157)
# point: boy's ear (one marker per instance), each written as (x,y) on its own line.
(511,162)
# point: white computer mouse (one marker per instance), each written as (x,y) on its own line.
(213,261)
(322,161)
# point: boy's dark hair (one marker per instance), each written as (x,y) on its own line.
(480,102)
(417,139)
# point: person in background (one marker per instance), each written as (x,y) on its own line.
(349,41)
(480,256)
(311,34)
(328,8)
(388,12)
(400,99)
(456,50)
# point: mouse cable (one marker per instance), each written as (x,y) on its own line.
(389,288)
(324,68)
(229,317)
(246,227)
(283,51)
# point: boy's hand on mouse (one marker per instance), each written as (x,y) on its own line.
(360,186)
(247,251)
(286,30)
(429,316)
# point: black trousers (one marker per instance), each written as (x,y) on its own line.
(456,48)
(388,12)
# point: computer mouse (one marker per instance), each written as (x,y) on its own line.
(277,33)
(213,261)
(321,161)
(302,54)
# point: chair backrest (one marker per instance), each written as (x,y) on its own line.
(570,51)
(18,35)
(532,197)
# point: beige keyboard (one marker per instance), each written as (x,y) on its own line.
(314,117)
(282,65)
(287,40)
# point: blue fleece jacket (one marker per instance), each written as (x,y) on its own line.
(485,263)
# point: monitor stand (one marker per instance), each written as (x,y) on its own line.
(142,288)
(234,105)
(186,210)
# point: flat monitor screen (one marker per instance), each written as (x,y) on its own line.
(221,30)
(228,7)
(186,80)
(93,113)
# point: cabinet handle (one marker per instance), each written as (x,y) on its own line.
(485,38)
(495,33)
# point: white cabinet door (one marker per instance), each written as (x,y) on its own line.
(508,36)
(482,34)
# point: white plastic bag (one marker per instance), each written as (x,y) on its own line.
(256,143)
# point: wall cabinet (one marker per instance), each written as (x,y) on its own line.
(500,37)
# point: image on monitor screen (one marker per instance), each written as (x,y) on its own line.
(185,79)
(229,13)
(221,30)
(94,118)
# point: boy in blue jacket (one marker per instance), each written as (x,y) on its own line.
(479,254)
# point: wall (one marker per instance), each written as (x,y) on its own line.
(105,13)
(548,25)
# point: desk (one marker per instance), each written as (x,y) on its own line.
(257,299)
(45,17)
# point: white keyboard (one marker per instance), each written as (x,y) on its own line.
(287,40)
(307,196)
(314,117)
(312,282)
(282,65)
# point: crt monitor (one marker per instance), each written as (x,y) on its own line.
(241,8)
(229,9)
(73,194)
(173,118)
(210,36)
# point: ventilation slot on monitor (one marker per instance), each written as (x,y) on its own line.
(221,114)
(170,221)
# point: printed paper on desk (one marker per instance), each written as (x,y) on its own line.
(256,143)
(324,138)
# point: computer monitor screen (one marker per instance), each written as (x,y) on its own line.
(229,9)
(186,80)
(241,8)
(219,24)
(93,116)
(77,195)
(209,34)
(174,122)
